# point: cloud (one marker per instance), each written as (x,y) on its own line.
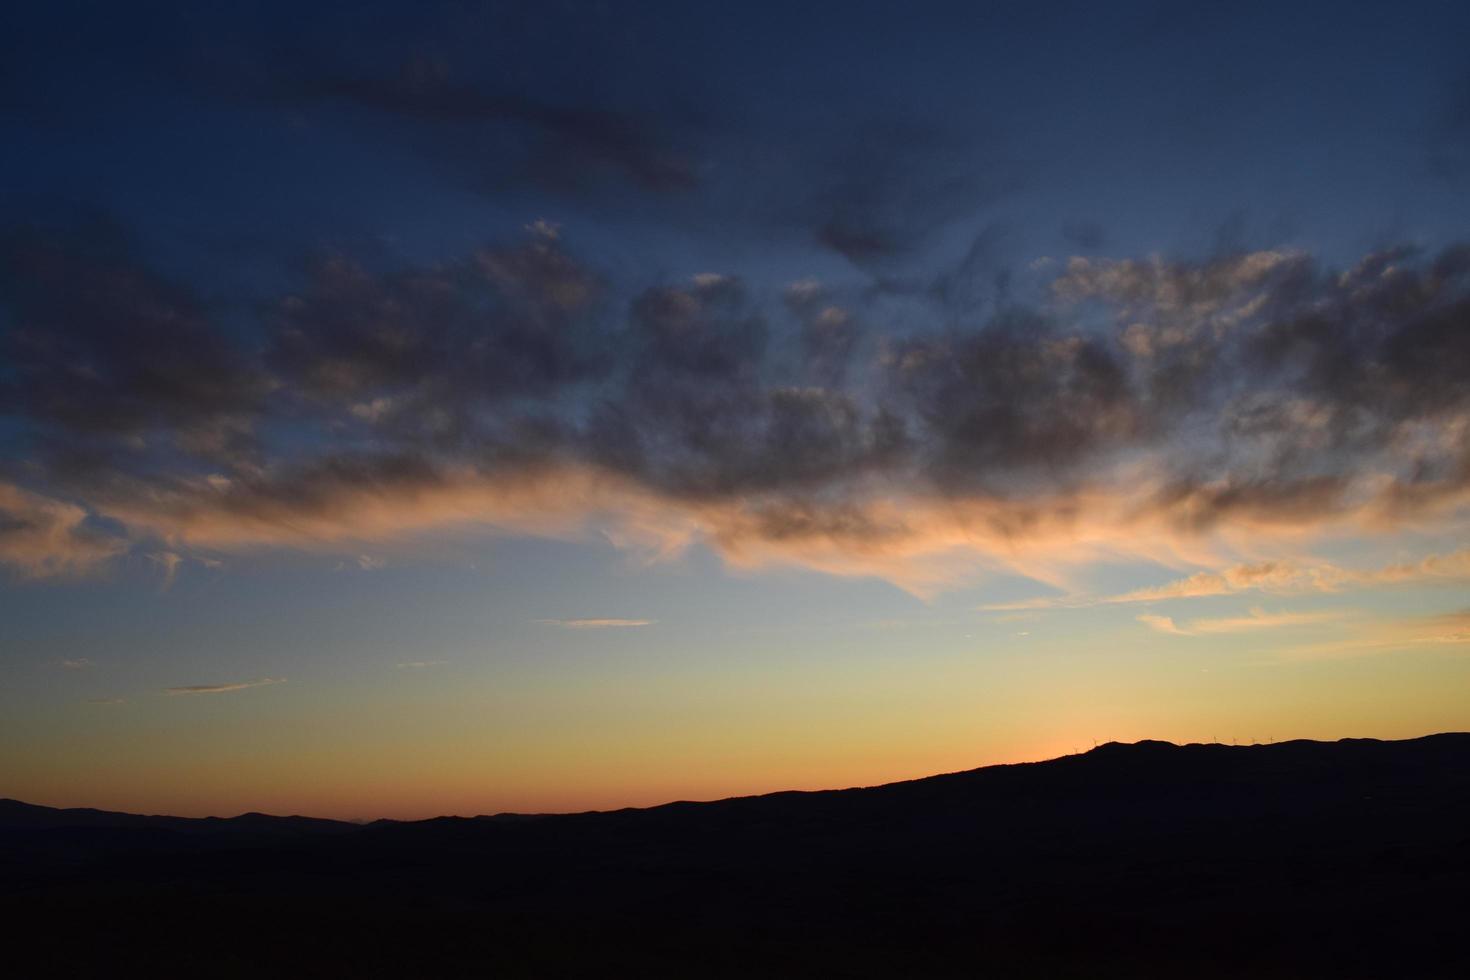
(1281,577)
(126,353)
(1286,577)
(1449,632)
(107,701)
(369,563)
(499,133)
(1181,294)
(1258,619)
(924,543)
(1452,628)
(396,348)
(169,561)
(79,663)
(43,537)
(1163,624)
(420,664)
(223,688)
(1448,567)
(1269,576)
(883,190)
(1220,415)
(594,624)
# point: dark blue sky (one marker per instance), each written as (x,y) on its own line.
(232,142)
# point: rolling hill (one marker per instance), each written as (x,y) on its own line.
(1347,858)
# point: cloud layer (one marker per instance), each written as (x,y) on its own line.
(1176,411)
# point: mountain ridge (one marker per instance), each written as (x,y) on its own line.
(1296,859)
(12,810)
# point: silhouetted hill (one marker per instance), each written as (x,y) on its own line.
(15,815)
(1297,859)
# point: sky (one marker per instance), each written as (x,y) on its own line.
(410,409)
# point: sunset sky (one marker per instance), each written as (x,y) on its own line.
(429,408)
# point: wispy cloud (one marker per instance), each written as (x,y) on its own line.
(79,663)
(420,664)
(1448,630)
(223,688)
(1274,577)
(107,700)
(1267,576)
(1164,624)
(169,561)
(883,624)
(1021,606)
(1258,619)
(595,624)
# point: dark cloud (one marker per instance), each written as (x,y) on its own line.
(1253,388)
(698,415)
(441,344)
(97,343)
(498,133)
(830,333)
(1016,395)
(703,331)
(886,189)
(1200,505)
(800,519)
(980,279)
(314,487)
(1390,337)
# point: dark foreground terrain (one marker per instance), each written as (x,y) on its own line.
(1298,859)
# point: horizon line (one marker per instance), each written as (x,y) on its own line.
(1097,745)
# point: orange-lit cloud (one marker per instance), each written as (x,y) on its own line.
(1449,631)
(924,543)
(1163,624)
(41,537)
(1280,576)
(1258,619)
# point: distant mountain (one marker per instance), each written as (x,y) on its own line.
(1348,858)
(15,815)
